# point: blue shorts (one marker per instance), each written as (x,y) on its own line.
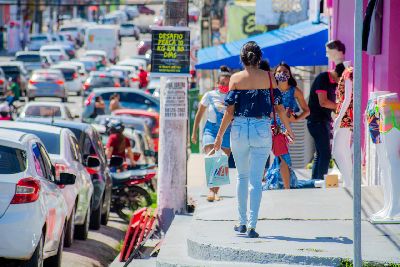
(210,133)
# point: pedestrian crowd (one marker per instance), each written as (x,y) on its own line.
(250,114)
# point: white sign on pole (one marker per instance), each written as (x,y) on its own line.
(174,99)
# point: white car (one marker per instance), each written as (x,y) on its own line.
(81,68)
(133,62)
(36,41)
(74,32)
(73,81)
(129,29)
(37,109)
(98,53)
(33,211)
(64,153)
(54,49)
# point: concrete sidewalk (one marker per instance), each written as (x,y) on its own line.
(297,227)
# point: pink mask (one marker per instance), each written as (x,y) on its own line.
(223,89)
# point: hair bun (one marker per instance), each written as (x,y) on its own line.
(224,68)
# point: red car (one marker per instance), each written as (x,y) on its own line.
(152,120)
(145,10)
(143,47)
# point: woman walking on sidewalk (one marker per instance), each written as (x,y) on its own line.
(250,106)
(213,102)
(280,174)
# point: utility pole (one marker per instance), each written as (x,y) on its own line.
(172,174)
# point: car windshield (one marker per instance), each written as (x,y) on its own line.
(127,25)
(28,58)
(12,160)
(68,74)
(38,38)
(10,69)
(43,111)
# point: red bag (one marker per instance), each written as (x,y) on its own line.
(279,140)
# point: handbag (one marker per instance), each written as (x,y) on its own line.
(279,140)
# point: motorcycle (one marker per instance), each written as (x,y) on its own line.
(130,187)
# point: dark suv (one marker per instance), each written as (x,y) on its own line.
(90,145)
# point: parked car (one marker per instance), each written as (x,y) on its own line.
(130,73)
(143,47)
(135,63)
(90,145)
(38,109)
(47,83)
(33,211)
(63,150)
(98,53)
(145,10)
(36,41)
(73,81)
(100,79)
(32,60)
(129,98)
(129,29)
(152,120)
(17,71)
(105,38)
(58,50)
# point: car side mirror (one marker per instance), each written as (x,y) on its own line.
(66,179)
(116,161)
(92,162)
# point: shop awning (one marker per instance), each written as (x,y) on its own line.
(302,44)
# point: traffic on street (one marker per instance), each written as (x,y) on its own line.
(66,97)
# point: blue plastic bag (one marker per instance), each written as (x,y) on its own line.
(217,169)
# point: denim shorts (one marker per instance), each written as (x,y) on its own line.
(210,133)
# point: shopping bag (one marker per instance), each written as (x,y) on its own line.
(217,169)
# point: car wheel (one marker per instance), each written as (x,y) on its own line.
(30,99)
(79,93)
(82,231)
(65,100)
(37,258)
(69,232)
(106,215)
(95,218)
(55,261)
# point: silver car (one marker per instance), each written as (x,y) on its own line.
(47,83)
(32,60)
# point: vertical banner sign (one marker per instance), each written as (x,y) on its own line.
(174,99)
(170,51)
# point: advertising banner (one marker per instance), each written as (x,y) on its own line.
(241,22)
(281,12)
(170,54)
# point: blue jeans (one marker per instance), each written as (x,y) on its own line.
(321,133)
(251,143)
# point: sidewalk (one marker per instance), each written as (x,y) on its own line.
(297,227)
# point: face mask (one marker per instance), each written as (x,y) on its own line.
(223,89)
(282,77)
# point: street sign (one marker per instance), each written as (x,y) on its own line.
(170,51)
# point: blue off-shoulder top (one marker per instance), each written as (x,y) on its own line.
(252,103)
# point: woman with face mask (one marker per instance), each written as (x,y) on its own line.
(280,174)
(213,103)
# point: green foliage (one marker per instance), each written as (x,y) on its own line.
(349,263)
